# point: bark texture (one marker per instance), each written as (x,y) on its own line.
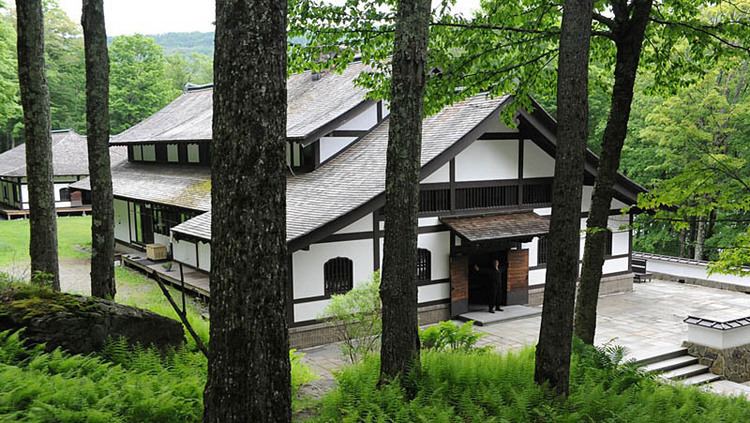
(628,34)
(36,119)
(399,352)
(100,174)
(248,369)
(555,334)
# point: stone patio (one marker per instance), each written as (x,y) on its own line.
(649,318)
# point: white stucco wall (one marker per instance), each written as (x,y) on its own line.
(57,188)
(488,160)
(439,245)
(693,271)
(434,292)
(184,252)
(307,266)
(332,145)
(163,240)
(362,225)
(441,175)
(363,121)
(536,162)
(204,256)
(122,230)
(310,311)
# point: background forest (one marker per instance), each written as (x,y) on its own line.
(687,140)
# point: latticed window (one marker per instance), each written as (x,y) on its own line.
(424,263)
(542,251)
(64,194)
(338,275)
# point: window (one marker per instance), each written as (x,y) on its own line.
(164,219)
(338,274)
(424,267)
(434,200)
(64,194)
(149,153)
(173,156)
(486,197)
(193,152)
(542,251)
(137,153)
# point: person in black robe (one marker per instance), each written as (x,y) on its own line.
(495,287)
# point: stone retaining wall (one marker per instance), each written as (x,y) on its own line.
(732,363)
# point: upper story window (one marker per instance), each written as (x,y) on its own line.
(424,265)
(338,276)
(177,153)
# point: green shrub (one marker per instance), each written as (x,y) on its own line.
(447,336)
(458,386)
(357,319)
(122,384)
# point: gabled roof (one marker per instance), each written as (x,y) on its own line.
(515,225)
(186,187)
(69,156)
(313,104)
(356,177)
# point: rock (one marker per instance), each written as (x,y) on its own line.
(81,325)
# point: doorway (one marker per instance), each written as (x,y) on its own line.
(478,285)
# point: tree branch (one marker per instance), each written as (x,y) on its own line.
(702,30)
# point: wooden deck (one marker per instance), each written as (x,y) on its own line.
(10,214)
(196,281)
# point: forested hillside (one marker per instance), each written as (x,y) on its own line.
(147,72)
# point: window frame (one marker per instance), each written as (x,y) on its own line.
(338,276)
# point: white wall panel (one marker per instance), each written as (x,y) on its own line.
(184,252)
(204,256)
(434,292)
(362,225)
(310,311)
(439,245)
(615,265)
(363,121)
(442,175)
(122,231)
(308,265)
(488,160)
(332,145)
(537,163)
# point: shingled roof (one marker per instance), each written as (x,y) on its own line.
(499,226)
(69,156)
(312,104)
(187,187)
(357,175)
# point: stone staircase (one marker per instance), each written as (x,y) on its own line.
(676,365)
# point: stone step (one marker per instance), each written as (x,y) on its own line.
(685,372)
(643,358)
(729,388)
(671,364)
(700,379)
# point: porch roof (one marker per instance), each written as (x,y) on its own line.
(498,226)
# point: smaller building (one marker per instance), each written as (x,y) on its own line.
(70,164)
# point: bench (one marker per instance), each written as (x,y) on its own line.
(639,271)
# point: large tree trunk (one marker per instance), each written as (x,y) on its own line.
(555,334)
(36,119)
(628,34)
(100,174)
(249,370)
(398,289)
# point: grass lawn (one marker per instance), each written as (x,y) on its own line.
(73,233)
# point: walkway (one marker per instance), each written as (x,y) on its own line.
(648,318)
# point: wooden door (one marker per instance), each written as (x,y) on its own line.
(518,277)
(459,285)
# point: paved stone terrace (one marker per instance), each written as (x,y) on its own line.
(649,318)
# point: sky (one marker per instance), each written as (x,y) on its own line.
(125,17)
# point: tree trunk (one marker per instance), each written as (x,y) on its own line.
(36,119)
(555,334)
(398,290)
(100,174)
(249,369)
(629,34)
(700,238)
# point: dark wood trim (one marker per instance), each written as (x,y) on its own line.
(348,133)
(497,136)
(197,257)
(311,299)
(452,183)
(434,302)
(433,282)
(130,224)
(359,236)
(379,111)
(431,186)
(333,124)
(290,290)
(630,240)
(520,171)
(316,155)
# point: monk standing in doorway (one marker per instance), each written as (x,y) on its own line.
(496,287)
